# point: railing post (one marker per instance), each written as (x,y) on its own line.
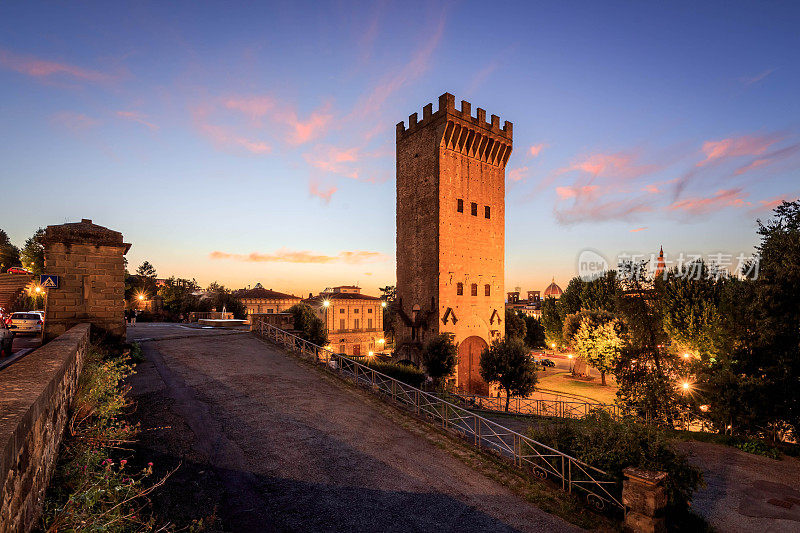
(563,474)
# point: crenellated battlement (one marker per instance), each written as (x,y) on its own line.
(447,106)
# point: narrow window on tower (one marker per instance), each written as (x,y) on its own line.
(474,209)
(487,212)
(341,324)
(487,289)
(474,289)
(460,289)
(460,207)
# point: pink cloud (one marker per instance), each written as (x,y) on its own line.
(652,189)
(637,230)
(720,200)
(304,131)
(518,174)
(74,121)
(536,149)
(746,145)
(285,255)
(314,189)
(254,106)
(373,101)
(137,117)
(772,203)
(42,68)
(588,203)
(222,137)
(758,77)
(335,160)
(619,165)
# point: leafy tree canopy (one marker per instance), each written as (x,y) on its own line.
(506,363)
(440,358)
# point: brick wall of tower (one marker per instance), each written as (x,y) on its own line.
(447,156)
(417,222)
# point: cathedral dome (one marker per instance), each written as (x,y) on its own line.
(553,290)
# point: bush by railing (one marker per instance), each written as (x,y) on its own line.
(405,373)
(601,490)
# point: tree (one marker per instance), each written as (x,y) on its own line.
(309,324)
(440,358)
(389,295)
(146,278)
(222,298)
(599,341)
(645,371)
(689,304)
(9,254)
(534,333)
(552,322)
(570,301)
(601,293)
(506,362)
(32,254)
(515,324)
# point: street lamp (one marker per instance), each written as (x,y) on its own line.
(38,289)
(569,356)
(383,304)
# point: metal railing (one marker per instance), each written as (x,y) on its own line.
(536,406)
(602,491)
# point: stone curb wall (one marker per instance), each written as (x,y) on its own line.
(35,394)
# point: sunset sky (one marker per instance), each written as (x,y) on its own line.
(248,143)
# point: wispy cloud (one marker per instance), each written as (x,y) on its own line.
(137,117)
(316,189)
(253,106)
(536,149)
(43,68)
(702,205)
(637,230)
(73,121)
(222,137)
(335,160)
(772,203)
(518,174)
(374,100)
(285,255)
(745,145)
(590,203)
(757,78)
(302,131)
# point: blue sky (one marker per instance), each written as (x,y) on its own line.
(245,142)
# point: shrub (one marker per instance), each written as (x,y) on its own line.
(399,371)
(612,446)
(93,489)
(759,447)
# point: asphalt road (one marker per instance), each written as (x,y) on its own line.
(273,445)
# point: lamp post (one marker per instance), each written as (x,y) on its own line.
(326,304)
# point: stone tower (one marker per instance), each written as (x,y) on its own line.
(451,232)
(89,262)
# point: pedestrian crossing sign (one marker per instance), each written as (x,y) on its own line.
(48,281)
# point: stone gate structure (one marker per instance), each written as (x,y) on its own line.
(89,262)
(451,232)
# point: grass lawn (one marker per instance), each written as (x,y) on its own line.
(560,380)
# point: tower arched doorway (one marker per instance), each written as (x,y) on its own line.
(469,364)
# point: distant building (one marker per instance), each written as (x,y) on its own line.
(532,306)
(261,300)
(661,265)
(553,290)
(354,321)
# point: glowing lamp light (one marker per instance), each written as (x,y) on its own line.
(326,303)
(381,341)
(553,346)
(569,356)
(141,297)
(383,304)
(704,408)
(685,385)
(686,356)
(38,289)
(371,353)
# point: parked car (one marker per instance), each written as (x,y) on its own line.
(18,270)
(547,362)
(6,340)
(26,322)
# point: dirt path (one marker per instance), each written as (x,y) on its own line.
(746,492)
(275,446)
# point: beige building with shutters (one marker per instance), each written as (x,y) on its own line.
(354,321)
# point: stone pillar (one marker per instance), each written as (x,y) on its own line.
(645,499)
(89,262)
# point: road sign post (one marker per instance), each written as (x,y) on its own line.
(48,281)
